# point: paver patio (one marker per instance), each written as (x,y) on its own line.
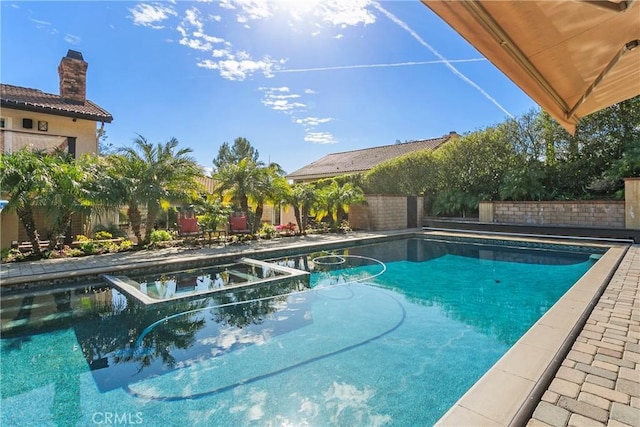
(598,383)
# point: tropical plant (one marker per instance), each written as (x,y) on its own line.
(244,181)
(70,193)
(103,235)
(334,199)
(211,211)
(152,176)
(160,236)
(271,187)
(23,181)
(267,231)
(302,196)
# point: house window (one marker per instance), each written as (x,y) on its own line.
(2,123)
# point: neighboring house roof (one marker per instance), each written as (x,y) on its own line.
(22,98)
(363,160)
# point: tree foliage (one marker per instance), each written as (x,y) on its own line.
(526,158)
(152,176)
(241,149)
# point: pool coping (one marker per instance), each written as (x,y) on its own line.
(508,392)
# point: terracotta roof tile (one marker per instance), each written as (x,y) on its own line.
(364,159)
(22,98)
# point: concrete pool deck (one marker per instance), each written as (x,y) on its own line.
(597,383)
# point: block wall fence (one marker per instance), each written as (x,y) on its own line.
(388,212)
(384,212)
(598,213)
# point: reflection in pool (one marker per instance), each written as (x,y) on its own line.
(377,337)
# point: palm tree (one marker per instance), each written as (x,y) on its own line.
(152,176)
(23,180)
(250,183)
(236,181)
(271,188)
(302,197)
(335,199)
(69,192)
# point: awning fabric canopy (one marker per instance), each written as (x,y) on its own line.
(572,57)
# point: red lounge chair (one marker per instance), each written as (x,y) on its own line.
(188,227)
(238,224)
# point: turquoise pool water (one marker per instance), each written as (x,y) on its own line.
(368,344)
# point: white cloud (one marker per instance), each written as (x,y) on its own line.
(309,122)
(45,26)
(221,53)
(71,39)
(320,138)
(280,99)
(309,91)
(346,13)
(195,44)
(193,36)
(192,16)
(292,96)
(248,10)
(210,39)
(283,105)
(148,15)
(232,69)
(37,21)
(226,4)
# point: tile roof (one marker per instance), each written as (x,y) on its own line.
(22,98)
(364,159)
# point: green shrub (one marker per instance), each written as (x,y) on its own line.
(125,245)
(103,235)
(160,236)
(75,252)
(89,247)
(10,255)
(112,229)
(267,231)
(82,238)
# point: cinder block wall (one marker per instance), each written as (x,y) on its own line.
(610,214)
(382,212)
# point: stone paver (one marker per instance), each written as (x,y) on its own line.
(607,351)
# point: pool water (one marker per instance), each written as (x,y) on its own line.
(388,334)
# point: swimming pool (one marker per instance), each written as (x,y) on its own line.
(395,343)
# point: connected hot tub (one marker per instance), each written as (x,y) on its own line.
(156,288)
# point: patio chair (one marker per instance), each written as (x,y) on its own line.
(188,227)
(238,224)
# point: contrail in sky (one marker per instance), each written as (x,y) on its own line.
(444,60)
(397,64)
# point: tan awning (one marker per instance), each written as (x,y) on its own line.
(572,57)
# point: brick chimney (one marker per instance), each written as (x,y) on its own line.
(73,77)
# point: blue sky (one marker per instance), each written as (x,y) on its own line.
(298,79)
